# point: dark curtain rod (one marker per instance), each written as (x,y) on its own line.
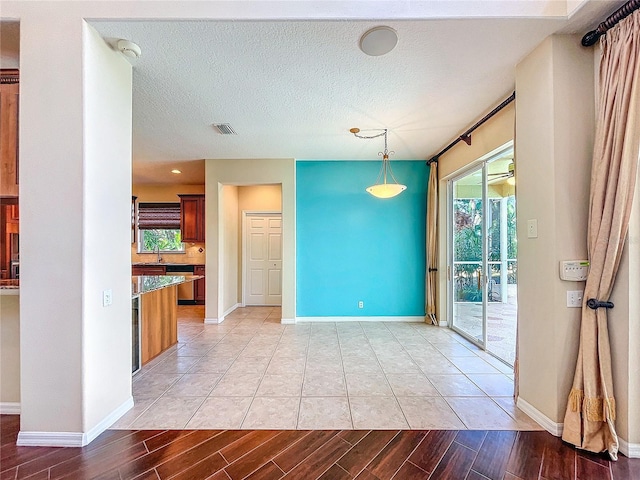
(623,12)
(466,136)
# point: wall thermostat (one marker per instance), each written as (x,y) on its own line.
(574,270)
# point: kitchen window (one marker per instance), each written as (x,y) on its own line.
(159,228)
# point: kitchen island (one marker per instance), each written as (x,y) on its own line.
(9,346)
(155,314)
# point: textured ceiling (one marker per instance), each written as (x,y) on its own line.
(293,89)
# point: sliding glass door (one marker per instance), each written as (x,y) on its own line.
(482,252)
(469,265)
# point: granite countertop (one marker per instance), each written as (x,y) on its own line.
(149,283)
(10,287)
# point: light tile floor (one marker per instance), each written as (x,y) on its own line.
(253,372)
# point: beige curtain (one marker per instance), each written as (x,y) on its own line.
(591,410)
(432,245)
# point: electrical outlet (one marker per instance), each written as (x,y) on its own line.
(574,298)
(360,304)
(107,298)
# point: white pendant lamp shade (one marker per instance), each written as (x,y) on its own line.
(386,190)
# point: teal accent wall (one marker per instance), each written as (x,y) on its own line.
(351,246)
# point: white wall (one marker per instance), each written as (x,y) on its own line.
(9,348)
(249,172)
(624,332)
(260,197)
(554,142)
(74,222)
(228,232)
(106,373)
(51,223)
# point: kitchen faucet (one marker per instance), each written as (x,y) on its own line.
(159,257)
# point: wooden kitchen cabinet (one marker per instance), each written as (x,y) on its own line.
(192,218)
(9,102)
(148,270)
(158,321)
(199,288)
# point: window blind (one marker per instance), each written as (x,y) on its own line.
(158,216)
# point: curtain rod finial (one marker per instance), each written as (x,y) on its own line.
(590,38)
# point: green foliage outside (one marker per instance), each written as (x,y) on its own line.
(468,245)
(167,240)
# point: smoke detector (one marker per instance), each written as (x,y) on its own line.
(129,49)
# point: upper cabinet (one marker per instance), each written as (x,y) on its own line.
(192,218)
(9,101)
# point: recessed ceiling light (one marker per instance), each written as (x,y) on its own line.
(378,41)
(176,171)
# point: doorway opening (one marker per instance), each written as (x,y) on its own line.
(261,258)
(483,254)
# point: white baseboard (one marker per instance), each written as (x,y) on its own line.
(229,310)
(288,321)
(416,319)
(545,422)
(109,420)
(10,408)
(629,450)
(72,439)
(216,321)
(50,439)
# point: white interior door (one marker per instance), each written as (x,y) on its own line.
(262,265)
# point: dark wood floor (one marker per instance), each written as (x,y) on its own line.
(266,454)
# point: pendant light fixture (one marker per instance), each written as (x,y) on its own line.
(383,189)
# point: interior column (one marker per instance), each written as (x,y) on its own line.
(75,189)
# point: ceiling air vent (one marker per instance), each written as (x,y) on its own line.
(224,129)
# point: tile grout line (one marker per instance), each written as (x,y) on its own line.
(384,373)
(253,398)
(344,375)
(304,375)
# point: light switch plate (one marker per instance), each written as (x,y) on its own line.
(574,298)
(532,228)
(107,298)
